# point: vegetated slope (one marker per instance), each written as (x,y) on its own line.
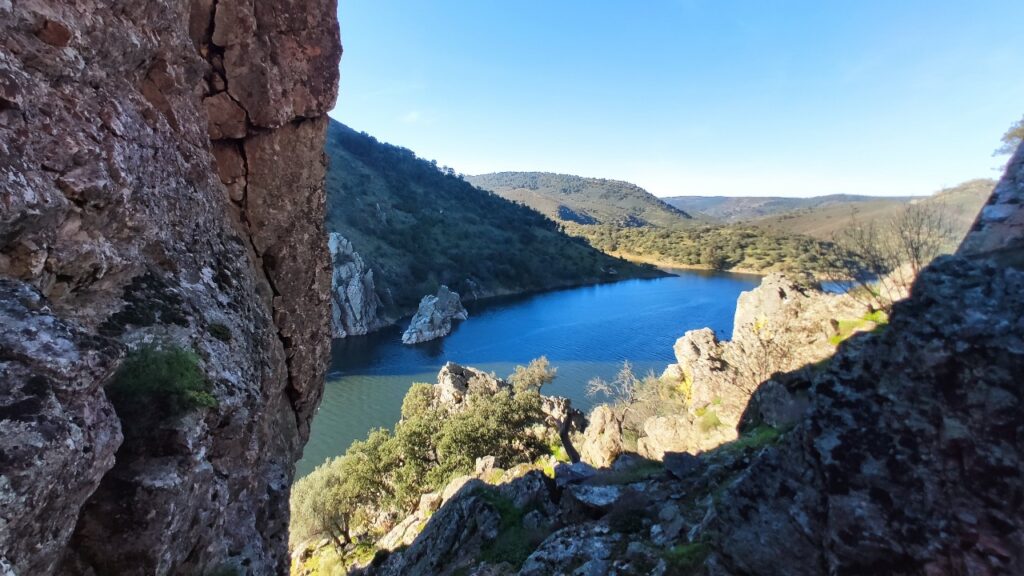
(583,200)
(737,247)
(419,226)
(742,208)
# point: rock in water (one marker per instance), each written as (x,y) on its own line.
(353,296)
(162,180)
(434,317)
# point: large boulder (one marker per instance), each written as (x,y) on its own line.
(354,299)
(602,439)
(433,318)
(162,181)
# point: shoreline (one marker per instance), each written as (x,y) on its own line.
(673,265)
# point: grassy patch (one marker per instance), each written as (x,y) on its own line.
(846,328)
(709,421)
(686,558)
(154,384)
(514,542)
(556,449)
(761,436)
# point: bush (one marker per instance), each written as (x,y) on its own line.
(154,384)
(430,446)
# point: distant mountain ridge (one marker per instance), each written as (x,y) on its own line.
(581,200)
(823,216)
(743,208)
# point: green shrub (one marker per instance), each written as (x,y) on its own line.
(430,446)
(154,384)
(514,542)
(219,331)
(686,558)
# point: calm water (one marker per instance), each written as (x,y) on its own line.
(584,332)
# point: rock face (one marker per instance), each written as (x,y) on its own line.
(161,176)
(999,230)
(911,451)
(53,398)
(353,296)
(434,317)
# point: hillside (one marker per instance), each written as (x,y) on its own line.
(418,226)
(583,200)
(742,208)
(823,220)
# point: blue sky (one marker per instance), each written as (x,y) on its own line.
(700,97)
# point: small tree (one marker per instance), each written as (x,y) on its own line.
(1012,139)
(877,262)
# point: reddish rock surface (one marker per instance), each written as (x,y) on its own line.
(161,180)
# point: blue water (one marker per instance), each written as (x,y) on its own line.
(585,332)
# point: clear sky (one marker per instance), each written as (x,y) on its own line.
(694,97)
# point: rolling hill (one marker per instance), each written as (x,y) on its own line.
(418,226)
(961,202)
(586,201)
(743,208)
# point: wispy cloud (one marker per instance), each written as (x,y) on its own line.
(412,117)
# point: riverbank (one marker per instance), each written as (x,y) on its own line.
(663,264)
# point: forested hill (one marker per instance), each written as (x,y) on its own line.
(583,200)
(418,226)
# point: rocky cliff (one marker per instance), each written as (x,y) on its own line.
(161,171)
(433,318)
(354,301)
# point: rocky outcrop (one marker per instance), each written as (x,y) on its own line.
(911,450)
(161,171)
(783,324)
(434,317)
(998,231)
(353,296)
(602,439)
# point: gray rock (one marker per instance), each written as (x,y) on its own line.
(433,318)
(575,473)
(162,181)
(58,431)
(681,464)
(354,301)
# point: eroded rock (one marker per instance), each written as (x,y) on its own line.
(433,318)
(353,294)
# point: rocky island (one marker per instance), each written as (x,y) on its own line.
(433,318)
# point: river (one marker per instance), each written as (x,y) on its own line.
(585,332)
